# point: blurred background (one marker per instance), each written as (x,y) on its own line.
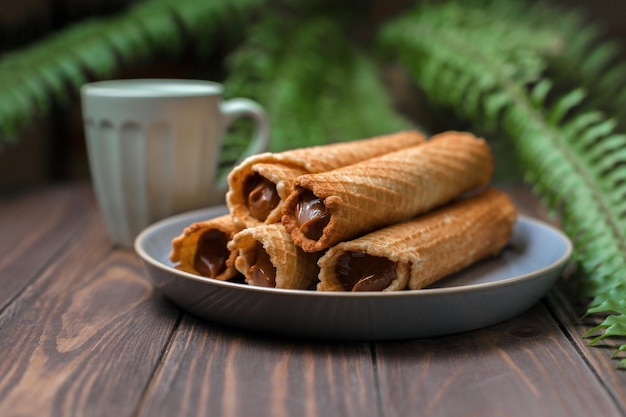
(51,148)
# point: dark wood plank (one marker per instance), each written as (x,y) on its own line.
(525,366)
(214,371)
(34,229)
(86,335)
(569,313)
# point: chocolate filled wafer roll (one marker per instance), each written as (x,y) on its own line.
(202,249)
(259,185)
(268,258)
(416,253)
(341,204)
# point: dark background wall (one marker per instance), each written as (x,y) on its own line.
(52,148)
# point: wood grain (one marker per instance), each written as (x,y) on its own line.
(213,371)
(34,228)
(86,335)
(599,357)
(524,366)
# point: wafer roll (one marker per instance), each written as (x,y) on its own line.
(259,185)
(416,253)
(267,257)
(201,248)
(341,204)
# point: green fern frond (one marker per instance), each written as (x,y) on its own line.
(611,305)
(33,78)
(591,61)
(309,100)
(574,158)
(613,325)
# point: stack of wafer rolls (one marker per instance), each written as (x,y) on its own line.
(202,248)
(389,213)
(259,185)
(267,257)
(418,252)
(269,178)
(333,206)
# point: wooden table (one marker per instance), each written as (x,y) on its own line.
(84,333)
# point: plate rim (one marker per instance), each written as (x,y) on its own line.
(424,292)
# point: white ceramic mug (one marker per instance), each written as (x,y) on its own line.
(154,147)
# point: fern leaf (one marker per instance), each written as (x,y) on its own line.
(591,61)
(564,105)
(613,325)
(306,108)
(49,71)
(572,156)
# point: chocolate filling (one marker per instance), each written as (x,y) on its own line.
(312,216)
(358,271)
(260,196)
(262,272)
(212,253)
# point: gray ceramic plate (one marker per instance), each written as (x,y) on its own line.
(486,293)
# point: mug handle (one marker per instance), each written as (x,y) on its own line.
(235,108)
